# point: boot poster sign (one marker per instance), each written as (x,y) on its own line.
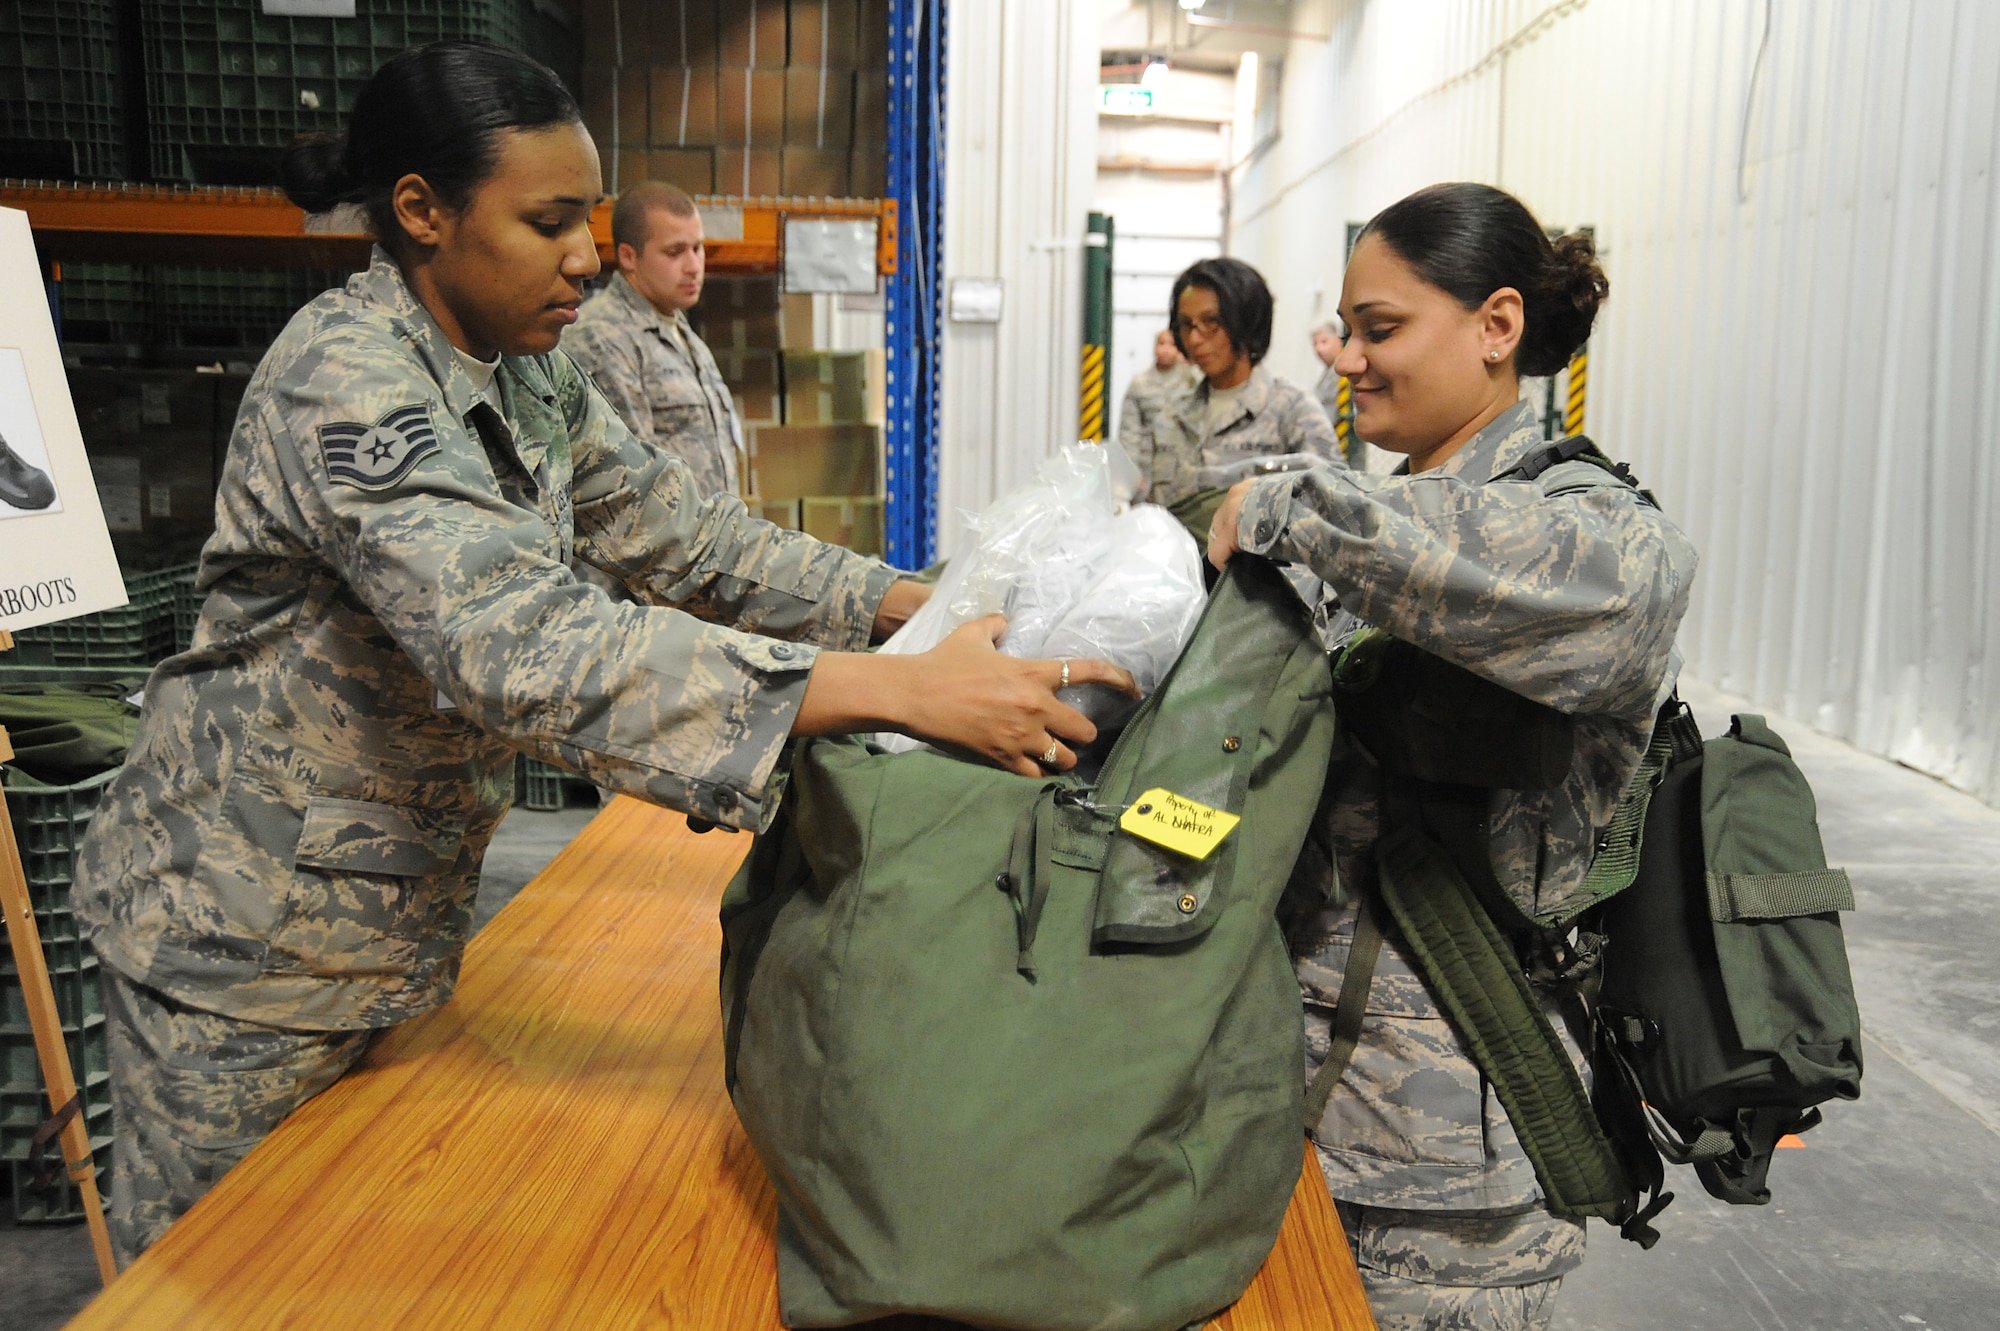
(55,554)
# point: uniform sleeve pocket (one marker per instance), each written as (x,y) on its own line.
(355,836)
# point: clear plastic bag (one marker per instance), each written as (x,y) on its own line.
(1224,475)
(1139,612)
(1073,577)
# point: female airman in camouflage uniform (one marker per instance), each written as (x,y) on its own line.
(1236,410)
(288,861)
(1570,600)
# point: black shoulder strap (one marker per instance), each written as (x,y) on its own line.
(1574,448)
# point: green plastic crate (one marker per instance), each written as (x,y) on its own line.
(62,111)
(21,1069)
(228,86)
(61,1201)
(140,632)
(187,609)
(232,308)
(49,824)
(78,987)
(106,302)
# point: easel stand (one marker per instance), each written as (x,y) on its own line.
(17,909)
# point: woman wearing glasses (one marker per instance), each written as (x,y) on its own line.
(1238,411)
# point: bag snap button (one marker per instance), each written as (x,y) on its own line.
(1188,903)
(1232,744)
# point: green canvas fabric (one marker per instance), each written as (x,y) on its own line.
(1009,1065)
(65,733)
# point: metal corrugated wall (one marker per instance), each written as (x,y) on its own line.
(1021,161)
(1802,347)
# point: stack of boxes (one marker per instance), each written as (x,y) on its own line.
(812,419)
(742,97)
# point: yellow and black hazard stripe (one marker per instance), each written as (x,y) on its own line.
(1090,401)
(1579,388)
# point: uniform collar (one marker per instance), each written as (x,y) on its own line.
(643,311)
(1252,396)
(525,385)
(1505,440)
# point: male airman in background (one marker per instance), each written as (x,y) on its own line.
(633,338)
(1146,396)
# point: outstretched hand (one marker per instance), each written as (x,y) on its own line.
(976,698)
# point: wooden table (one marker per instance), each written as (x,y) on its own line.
(555,1148)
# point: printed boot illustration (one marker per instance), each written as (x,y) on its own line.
(21,485)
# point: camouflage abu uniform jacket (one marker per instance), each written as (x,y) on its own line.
(1146,396)
(296,836)
(1572,601)
(1273,416)
(662,380)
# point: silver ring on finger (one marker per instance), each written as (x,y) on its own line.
(1065,676)
(1049,758)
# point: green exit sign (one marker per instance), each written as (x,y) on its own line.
(1124,99)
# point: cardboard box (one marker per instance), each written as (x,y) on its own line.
(798,315)
(871,34)
(816,172)
(684,107)
(737,296)
(759,171)
(794,461)
(826,388)
(691,169)
(877,381)
(871,108)
(819,107)
(750,102)
(752,377)
(634,165)
(778,512)
(683,31)
(868,173)
(751,32)
(740,312)
(854,522)
(823,32)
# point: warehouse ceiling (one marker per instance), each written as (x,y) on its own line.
(1212,37)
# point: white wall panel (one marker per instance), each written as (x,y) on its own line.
(1020,168)
(1801,352)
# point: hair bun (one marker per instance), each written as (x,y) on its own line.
(1579,274)
(313,172)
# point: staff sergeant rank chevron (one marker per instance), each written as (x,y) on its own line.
(376,457)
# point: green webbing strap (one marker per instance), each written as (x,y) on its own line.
(1027,880)
(1619,845)
(1480,985)
(1778,896)
(1348,1010)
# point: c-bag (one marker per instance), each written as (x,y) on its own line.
(1009,1064)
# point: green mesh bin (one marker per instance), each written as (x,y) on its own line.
(61,107)
(140,632)
(228,85)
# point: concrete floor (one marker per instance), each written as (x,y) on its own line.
(1885,1220)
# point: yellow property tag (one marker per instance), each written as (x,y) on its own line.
(1179,824)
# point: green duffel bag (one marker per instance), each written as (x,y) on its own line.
(1009,1063)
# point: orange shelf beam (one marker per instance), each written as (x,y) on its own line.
(260,227)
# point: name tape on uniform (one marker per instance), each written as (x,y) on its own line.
(1178,823)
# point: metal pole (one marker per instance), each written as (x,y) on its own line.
(1093,415)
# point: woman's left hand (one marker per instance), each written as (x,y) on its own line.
(904,599)
(1222,528)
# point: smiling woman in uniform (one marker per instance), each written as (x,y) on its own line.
(1561,587)
(288,860)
